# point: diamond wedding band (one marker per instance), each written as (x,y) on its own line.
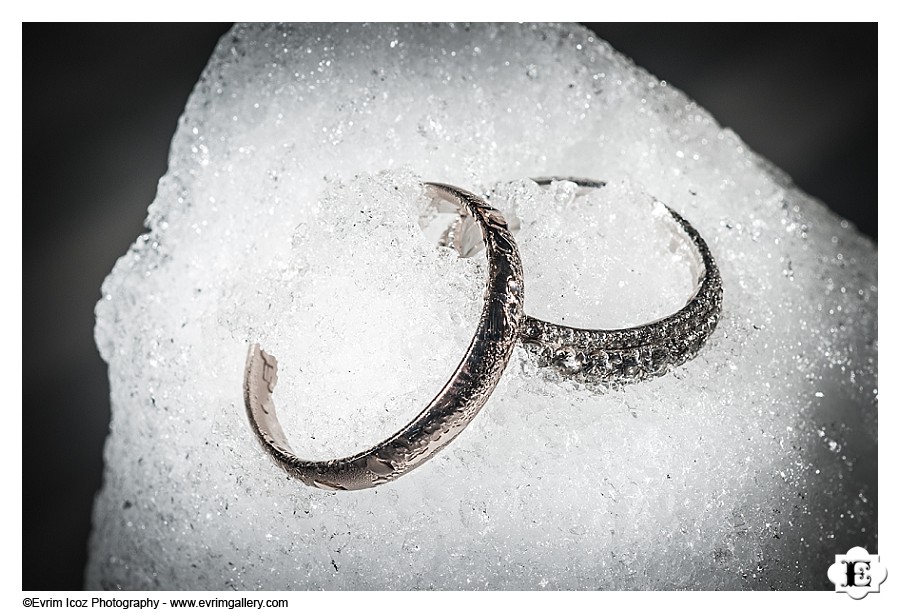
(641,352)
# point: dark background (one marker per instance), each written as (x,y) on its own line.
(100,105)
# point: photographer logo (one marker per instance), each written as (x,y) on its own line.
(857,573)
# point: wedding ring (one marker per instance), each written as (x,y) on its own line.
(467,390)
(641,352)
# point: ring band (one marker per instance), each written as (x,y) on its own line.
(641,352)
(467,390)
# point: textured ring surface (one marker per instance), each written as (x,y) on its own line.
(467,390)
(637,353)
